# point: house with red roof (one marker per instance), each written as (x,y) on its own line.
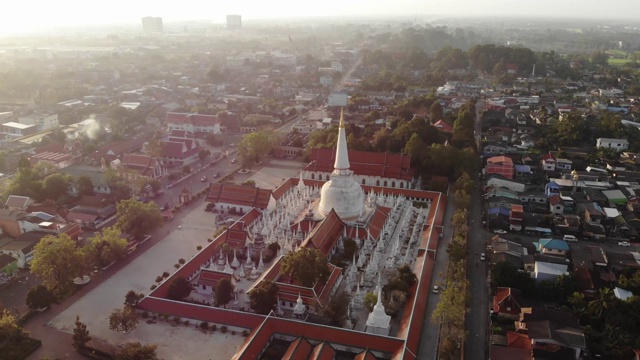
(507,302)
(369,168)
(501,165)
(196,124)
(443,126)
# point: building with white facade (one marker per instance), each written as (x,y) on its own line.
(196,124)
(41,121)
(617,144)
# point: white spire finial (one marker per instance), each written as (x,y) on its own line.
(342,155)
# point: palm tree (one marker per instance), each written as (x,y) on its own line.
(602,304)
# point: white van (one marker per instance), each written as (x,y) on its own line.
(570,238)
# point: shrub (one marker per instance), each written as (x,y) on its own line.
(165,274)
(159,279)
(199,247)
(204,325)
(177,266)
(245,333)
(209,240)
(233,332)
(165,316)
(176,319)
(144,315)
(214,327)
(223,329)
(153,287)
(186,323)
(181,261)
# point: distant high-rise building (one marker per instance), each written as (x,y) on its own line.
(234,22)
(152,24)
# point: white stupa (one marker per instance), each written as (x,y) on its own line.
(378,321)
(300,311)
(342,193)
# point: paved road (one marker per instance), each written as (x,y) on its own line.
(478,317)
(430,329)
(57,344)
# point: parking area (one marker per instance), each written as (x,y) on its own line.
(173,341)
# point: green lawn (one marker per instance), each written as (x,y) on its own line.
(617,62)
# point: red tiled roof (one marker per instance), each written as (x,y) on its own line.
(504,293)
(118,148)
(76,216)
(324,236)
(54,157)
(518,340)
(393,166)
(240,195)
(323,351)
(500,159)
(509,353)
(366,355)
(555,200)
(195,119)
(211,277)
(443,126)
(299,349)
(236,238)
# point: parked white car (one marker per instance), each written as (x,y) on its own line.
(624,243)
(499,231)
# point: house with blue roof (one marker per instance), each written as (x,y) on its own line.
(552,247)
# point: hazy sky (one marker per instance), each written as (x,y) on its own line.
(31,15)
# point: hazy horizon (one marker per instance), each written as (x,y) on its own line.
(24,16)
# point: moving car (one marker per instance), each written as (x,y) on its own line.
(483,257)
(499,231)
(570,238)
(624,243)
(436,289)
(203,179)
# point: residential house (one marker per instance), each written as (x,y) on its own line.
(552,247)
(591,212)
(507,302)
(617,144)
(552,329)
(22,247)
(556,205)
(544,271)
(93,212)
(548,162)
(563,164)
(97,176)
(500,165)
(516,215)
(497,180)
(114,150)
(17,202)
(12,130)
(523,173)
(444,127)
(195,124)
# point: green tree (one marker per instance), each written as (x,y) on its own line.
(350,247)
(370,300)
(137,351)
(223,292)
(132,298)
(436,111)
(255,145)
(137,218)
(107,246)
(10,331)
(179,289)
(124,320)
(154,147)
(80,335)
(307,266)
(57,261)
(55,185)
(263,296)
(604,302)
(336,309)
(40,297)
(84,185)
(203,154)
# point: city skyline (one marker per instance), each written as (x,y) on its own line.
(35,15)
